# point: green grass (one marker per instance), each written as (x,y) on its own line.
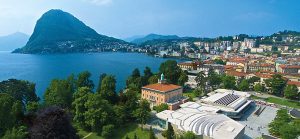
(190,94)
(120,133)
(284,102)
(256,97)
(279,101)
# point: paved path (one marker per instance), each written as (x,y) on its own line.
(87,135)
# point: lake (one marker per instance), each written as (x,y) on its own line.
(41,69)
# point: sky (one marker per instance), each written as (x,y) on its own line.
(127,18)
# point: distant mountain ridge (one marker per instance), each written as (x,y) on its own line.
(154,37)
(60,32)
(13,41)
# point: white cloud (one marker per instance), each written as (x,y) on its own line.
(99,2)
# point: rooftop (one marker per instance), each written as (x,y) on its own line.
(162,87)
(191,118)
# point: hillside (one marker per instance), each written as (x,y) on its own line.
(60,32)
(13,41)
(154,37)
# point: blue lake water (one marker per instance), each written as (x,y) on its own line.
(41,69)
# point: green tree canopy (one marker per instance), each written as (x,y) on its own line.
(291,92)
(170,70)
(59,93)
(16,133)
(277,84)
(229,82)
(153,79)
(10,111)
(170,134)
(151,133)
(182,78)
(107,131)
(213,79)
(80,98)
(84,80)
(258,88)
(20,90)
(99,113)
(244,85)
(142,113)
(102,76)
(161,107)
(108,89)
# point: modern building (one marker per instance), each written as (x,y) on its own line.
(204,121)
(162,92)
(230,102)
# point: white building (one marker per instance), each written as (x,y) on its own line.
(231,103)
(204,121)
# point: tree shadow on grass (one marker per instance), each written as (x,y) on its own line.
(122,131)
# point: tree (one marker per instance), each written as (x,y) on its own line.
(20,90)
(8,112)
(229,82)
(99,113)
(287,131)
(277,84)
(244,85)
(170,134)
(135,136)
(182,78)
(136,73)
(121,113)
(16,133)
(219,61)
(291,92)
(201,82)
(102,76)
(80,98)
(253,79)
(153,79)
(170,70)
(282,118)
(142,113)
(213,79)
(129,100)
(32,106)
(59,93)
(107,131)
(84,80)
(161,107)
(108,89)
(52,122)
(258,88)
(151,133)
(189,135)
(147,74)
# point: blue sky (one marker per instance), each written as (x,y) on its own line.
(126,18)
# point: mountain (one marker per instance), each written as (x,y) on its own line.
(60,32)
(132,38)
(13,41)
(154,37)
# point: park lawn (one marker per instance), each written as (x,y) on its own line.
(120,133)
(284,102)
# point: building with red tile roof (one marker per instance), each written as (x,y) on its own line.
(162,92)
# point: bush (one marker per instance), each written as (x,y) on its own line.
(107,131)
